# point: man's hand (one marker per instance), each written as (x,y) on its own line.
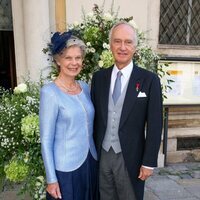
(145,173)
(54,190)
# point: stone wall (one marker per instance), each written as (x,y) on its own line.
(184,122)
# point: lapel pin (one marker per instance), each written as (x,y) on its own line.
(137,86)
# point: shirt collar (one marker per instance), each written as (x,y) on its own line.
(126,71)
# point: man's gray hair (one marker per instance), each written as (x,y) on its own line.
(135,40)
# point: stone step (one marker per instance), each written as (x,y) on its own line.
(183,132)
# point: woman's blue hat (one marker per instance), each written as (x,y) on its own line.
(58,41)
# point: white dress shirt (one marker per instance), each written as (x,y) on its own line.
(126,73)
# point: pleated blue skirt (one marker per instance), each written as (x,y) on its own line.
(80,184)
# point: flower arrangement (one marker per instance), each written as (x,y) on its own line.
(94,31)
(20,157)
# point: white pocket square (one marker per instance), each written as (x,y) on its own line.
(142,94)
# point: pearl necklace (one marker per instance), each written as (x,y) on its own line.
(68,89)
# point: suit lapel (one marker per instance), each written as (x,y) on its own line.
(105,93)
(131,93)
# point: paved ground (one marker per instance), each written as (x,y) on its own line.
(174,182)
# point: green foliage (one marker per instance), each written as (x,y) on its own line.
(13,108)
(16,170)
(20,152)
(30,128)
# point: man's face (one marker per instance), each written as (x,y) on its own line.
(122,45)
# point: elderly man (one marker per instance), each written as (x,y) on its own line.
(128,120)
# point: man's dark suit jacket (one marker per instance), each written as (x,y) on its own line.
(140,125)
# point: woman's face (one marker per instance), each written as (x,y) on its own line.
(70,61)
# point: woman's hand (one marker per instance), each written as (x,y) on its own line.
(54,190)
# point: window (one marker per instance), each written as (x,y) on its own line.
(5,15)
(179,22)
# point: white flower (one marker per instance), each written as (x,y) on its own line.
(100,63)
(132,23)
(95,20)
(90,75)
(30,100)
(21,88)
(106,46)
(53,77)
(76,23)
(107,17)
(40,178)
(26,157)
(37,184)
(43,196)
(90,15)
(88,44)
(92,50)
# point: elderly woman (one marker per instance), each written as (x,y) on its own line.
(66,125)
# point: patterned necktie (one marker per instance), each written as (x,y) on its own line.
(117,88)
